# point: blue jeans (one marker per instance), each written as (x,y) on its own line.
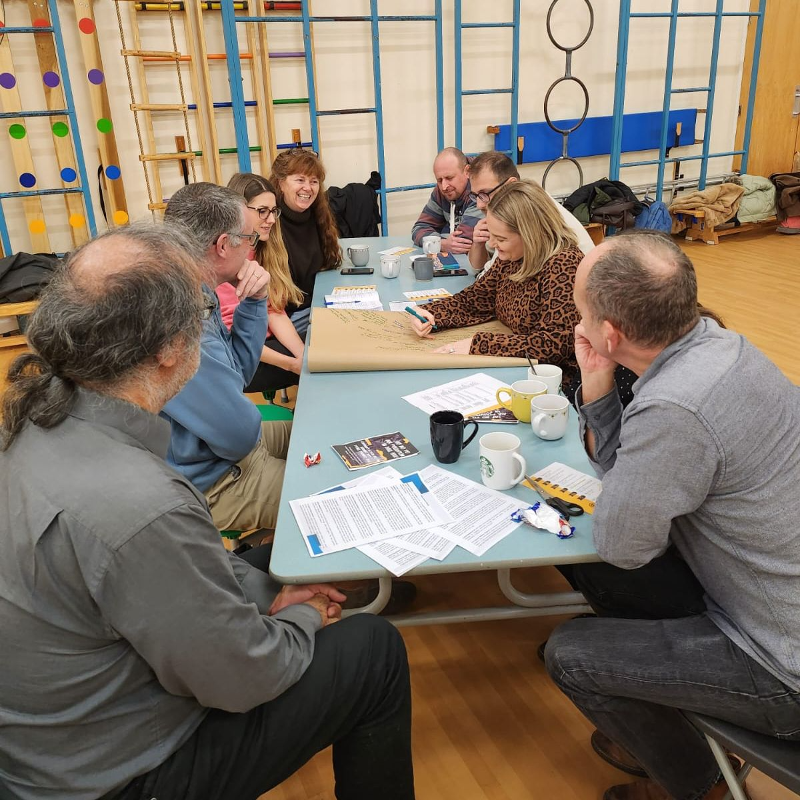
(630,677)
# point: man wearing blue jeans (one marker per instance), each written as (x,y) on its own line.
(705,460)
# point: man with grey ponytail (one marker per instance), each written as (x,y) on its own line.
(218,439)
(122,616)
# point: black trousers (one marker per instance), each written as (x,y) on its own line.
(663,589)
(355,695)
(269,377)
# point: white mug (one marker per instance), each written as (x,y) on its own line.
(549,416)
(502,467)
(390,266)
(432,244)
(548,374)
(358,254)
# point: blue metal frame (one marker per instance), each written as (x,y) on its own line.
(69,111)
(229,21)
(625,16)
(461,93)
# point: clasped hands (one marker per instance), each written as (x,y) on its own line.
(423,330)
(323,597)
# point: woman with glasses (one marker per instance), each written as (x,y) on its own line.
(307,225)
(282,354)
(529,288)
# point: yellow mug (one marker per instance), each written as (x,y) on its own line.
(520,395)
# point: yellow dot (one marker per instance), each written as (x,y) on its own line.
(77,220)
(120,217)
(37,226)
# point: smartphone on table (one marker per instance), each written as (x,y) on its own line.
(357,271)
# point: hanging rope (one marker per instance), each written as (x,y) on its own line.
(133,102)
(180,86)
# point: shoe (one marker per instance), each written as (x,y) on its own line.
(649,790)
(403,595)
(541,647)
(616,755)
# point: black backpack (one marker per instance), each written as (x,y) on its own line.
(607,202)
(24,275)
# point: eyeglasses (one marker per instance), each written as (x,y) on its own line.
(264,211)
(207,309)
(251,238)
(485,197)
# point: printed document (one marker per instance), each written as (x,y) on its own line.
(482,517)
(338,520)
(468,395)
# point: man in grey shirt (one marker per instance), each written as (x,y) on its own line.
(140,660)
(706,458)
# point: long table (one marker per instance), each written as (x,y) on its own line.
(333,408)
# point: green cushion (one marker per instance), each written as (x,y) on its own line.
(272,413)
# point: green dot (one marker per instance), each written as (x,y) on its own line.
(17,131)
(104,125)
(60,129)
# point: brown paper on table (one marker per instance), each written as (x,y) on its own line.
(344,340)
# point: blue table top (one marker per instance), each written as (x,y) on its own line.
(334,408)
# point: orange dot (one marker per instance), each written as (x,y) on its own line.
(77,220)
(120,217)
(37,226)
(41,23)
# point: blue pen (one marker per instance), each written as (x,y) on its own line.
(419,316)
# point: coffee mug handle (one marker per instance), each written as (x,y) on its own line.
(536,424)
(521,476)
(472,435)
(350,253)
(502,402)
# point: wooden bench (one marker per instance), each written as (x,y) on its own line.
(596,231)
(701,231)
(14,344)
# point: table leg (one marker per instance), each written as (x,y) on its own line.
(378,604)
(547,600)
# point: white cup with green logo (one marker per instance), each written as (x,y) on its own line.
(502,467)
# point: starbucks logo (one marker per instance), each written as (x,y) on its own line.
(487,468)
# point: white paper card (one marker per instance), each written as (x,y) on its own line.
(468,395)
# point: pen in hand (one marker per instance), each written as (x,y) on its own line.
(419,316)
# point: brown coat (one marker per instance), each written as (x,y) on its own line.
(719,203)
(787,199)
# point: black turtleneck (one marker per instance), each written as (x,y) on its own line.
(301,237)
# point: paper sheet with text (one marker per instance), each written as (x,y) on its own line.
(482,517)
(468,395)
(335,521)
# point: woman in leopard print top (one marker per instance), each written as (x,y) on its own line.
(529,288)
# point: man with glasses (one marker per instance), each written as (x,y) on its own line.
(218,439)
(489,172)
(450,208)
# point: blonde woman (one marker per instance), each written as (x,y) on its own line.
(282,354)
(529,288)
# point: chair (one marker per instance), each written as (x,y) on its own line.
(778,758)
(269,395)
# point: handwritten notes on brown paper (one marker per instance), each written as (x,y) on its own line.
(361,341)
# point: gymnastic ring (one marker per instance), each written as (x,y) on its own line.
(585,38)
(565,131)
(556,161)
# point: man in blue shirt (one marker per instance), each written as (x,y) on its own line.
(218,440)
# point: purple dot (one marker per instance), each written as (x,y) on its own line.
(95,76)
(68,174)
(7,80)
(113,172)
(51,79)
(27,180)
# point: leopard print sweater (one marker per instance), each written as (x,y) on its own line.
(539,311)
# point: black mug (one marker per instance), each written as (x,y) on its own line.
(447,435)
